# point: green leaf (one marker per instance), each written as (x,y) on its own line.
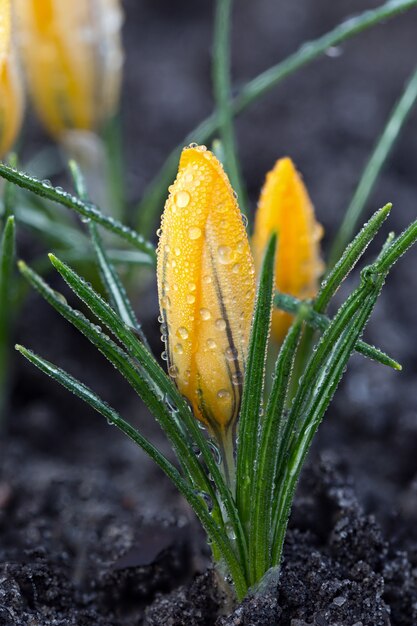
(86,209)
(252,397)
(268,454)
(115,290)
(7,257)
(166,388)
(218,536)
(166,418)
(318,321)
(351,255)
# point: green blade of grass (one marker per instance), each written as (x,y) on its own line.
(7,257)
(115,290)
(87,395)
(166,388)
(318,321)
(143,387)
(375,164)
(252,397)
(87,210)
(350,256)
(267,455)
(327,375)
(153,200)
(222,93)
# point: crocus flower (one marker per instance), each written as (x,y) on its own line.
(11,91)
(72,56)
(206,284)
(285,207)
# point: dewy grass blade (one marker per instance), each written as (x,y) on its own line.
(222,91)
(318,321)
(351,254)
(164,384)
(324,385)
(252,398)
(208,523)
(115,290)
(398,247)
(152,202)
(7,257)
(88,210)
(375,164)
(124,364)
(267,454)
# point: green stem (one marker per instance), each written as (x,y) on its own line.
(222,93)
(152,202)
(373,169)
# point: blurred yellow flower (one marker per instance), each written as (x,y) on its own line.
(73,59)
(11,90)
(285,207)
(206,284)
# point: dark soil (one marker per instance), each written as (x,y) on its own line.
(91,533)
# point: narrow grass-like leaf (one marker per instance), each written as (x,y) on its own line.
(318,321)
(7,256)
(374,166)
(252,397)
(351,255)
(222,92)
(127,368)
(267,455)
(337,344)
(167,389)
(398,247)
(86,209)
(115,290)
(84,393)
(152,202)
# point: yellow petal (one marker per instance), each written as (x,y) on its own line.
(72,57)
(285,207)
(206,284)
(11,103)
(5,28)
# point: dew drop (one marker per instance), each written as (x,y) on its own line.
(220,324)
(225,255)
(231,354)
(237,378)
(205,314)
(190,298)
(224,394)
(245,220)
(173,371)
(182,332)
(159,232)
(207,279)
(236,268)
(211,344)
(193,145)
(164,356)
(182,199)
(178,348)
(177,251)
(192,286)
(165,301)
(194,232)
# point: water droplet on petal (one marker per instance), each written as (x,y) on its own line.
(205,314)
(173,371)
(178,348)
(182,332)
(182,199)
(225,255)
(190,298)
(220,324)
(211,344)
(224,395)
(194,232)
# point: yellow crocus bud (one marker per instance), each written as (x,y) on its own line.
(285,207)
(11,90)
(206,285)
(72,55)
